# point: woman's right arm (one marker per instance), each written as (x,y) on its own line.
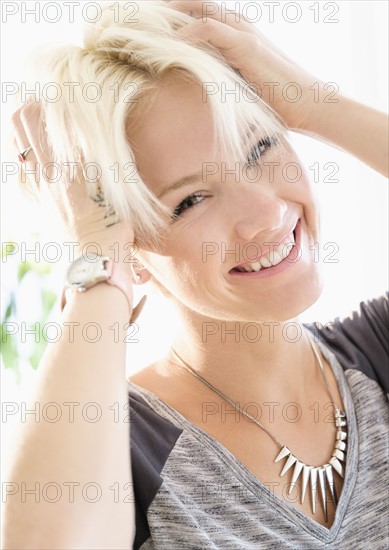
(78,459)
(79,466)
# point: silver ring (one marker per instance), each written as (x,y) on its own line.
(22,156)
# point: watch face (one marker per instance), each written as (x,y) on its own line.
(82,270)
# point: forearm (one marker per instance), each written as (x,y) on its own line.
(77,450)
(352,127)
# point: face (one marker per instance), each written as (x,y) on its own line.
(225,221)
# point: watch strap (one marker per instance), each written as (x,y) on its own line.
(119,278)
(116,276)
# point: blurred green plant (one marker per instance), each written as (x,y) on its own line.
(12,347)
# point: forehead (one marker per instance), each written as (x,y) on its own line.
(174,136)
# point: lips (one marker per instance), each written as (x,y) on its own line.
(268,256)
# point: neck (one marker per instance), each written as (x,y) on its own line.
(270,361)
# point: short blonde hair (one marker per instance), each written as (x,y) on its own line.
(130,60)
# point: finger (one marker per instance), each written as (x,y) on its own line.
(23,149)
(21,141)
(30,132)
(228,40)
(212,10)
(208,11)
(241,46)
(31,119)
(197,8)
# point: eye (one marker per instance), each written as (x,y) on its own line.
(188,202)
(260,150)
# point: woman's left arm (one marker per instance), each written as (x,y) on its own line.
(344,123)
(353,127)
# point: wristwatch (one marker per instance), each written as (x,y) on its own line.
(90,269)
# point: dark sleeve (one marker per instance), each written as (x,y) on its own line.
(152,439)
(360,341)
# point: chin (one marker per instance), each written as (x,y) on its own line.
(284,304)
(287,306)
(278,305)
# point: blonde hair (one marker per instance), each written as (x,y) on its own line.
(121,58)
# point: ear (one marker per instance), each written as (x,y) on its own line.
(139,274)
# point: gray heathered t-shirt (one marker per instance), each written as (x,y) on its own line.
(192,493)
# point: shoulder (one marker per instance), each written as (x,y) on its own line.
(360,340)
(152,438)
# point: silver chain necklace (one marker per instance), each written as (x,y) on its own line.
(324,474)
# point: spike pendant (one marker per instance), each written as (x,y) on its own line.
(322,476)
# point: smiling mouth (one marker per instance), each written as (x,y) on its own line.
(271,258)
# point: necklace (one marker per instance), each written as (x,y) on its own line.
(315,475)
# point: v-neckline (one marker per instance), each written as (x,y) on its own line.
(257,487)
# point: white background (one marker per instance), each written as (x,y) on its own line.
(351,52)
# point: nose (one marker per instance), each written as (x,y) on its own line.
(257,210)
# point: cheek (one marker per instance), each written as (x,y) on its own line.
(175,272)
(306,195)
(295,179)
(302,193)
(182,255)
(185,277)
(297,188)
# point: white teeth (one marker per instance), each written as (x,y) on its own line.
(286,249)
(279,251)
(276,258)
(265,262)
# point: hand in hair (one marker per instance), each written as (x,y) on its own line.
(86,217)
(259,61)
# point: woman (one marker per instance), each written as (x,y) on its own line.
(226,448)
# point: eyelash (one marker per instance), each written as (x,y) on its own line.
(258,151)
(180,208)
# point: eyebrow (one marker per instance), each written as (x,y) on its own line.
(182,182)
(188,180)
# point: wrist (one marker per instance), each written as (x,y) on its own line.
(103,304)
(89,271)
(322,107)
